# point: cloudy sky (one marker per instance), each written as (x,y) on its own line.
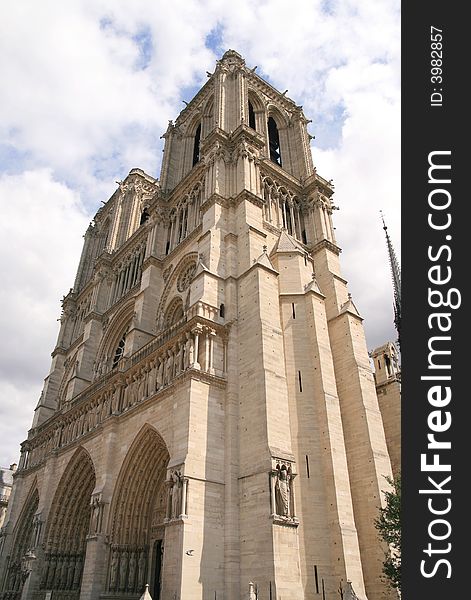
(88,87)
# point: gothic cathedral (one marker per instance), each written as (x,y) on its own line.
(210,424)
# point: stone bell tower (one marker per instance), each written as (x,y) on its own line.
(210,423)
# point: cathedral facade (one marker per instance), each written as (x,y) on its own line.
(210,424)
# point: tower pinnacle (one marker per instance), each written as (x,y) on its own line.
(396,278)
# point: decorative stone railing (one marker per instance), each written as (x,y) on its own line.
(195,346)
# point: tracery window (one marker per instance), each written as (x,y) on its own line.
(118,355)
(283,209)
(184,280)
(184,217)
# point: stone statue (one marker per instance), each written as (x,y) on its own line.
(114,570)
(282,491)
(176,494)
(77,572)
(123,567)
(159,374)
(132,570)
(95,518)
(169,367)
(151,378)
(70,572)
(141,377)
(115,401)
(141,569)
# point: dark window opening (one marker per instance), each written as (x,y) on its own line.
(167,247)
(294,310)
(222,310)
(144,216)
(300,381)
(289,225)
(316,578)
(307,466)
(119,351)
(251,116)
(274,141)
(303,236)
(196,147)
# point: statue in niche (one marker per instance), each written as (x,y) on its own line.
(176,494)
(132,570)
(133,394)
(63,573)
(95,525)
(78,572)
(151,378)
(123,569)
(282,490)
(141,569)
(141,377)
(114,570)
(160,374)
(178,359)
(127,392)
(115,399)
(70,572)
(51,572)
(169,367)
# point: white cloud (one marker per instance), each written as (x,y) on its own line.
(42,226)
(88,88)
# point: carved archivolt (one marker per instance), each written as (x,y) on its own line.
(24,541)
(68,525)
(136,510)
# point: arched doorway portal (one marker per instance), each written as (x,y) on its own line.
(68,526)
(23,537)
(138,512)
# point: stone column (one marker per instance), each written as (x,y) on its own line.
(196,332)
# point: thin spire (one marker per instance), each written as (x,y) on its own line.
(396,278)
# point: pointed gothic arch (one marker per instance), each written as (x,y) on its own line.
(255,111)
(171,287)
(112,340)
(23,536)
(138,510)
(208,117)
(174,313)
(68,525)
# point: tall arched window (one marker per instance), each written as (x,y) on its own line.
(251,116)
(274,141)
(119,351)
(196,147)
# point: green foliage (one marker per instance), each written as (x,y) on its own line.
(388,525)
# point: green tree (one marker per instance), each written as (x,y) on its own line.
(388,525)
